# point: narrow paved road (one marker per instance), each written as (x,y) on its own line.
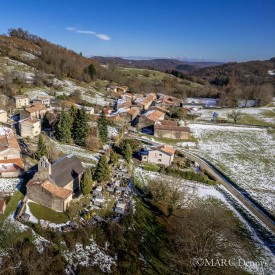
(260,213)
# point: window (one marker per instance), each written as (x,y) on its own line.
(160,155)
(159,160)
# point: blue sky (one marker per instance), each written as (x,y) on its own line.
(223,30)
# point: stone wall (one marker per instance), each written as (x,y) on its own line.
(161,133)
(41,196)
(10,154)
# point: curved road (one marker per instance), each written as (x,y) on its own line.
(261,214)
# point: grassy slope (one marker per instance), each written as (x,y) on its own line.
(149,76)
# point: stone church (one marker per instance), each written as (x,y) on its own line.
(54,184)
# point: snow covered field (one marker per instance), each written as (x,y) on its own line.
(76,150)
(246,155)
(8,185)
(261,114)
(97,99)
(198,190)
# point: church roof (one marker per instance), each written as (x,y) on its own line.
(65,170)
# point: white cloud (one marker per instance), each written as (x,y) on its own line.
(103,36)
(98,35)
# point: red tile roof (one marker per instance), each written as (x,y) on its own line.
(36,107)
(55,190)
(155,115)
(166,149)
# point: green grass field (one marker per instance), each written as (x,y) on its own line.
(45,213)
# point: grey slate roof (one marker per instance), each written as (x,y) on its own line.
(65,170)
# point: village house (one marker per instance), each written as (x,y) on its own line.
(2,206)
(55,184)
(30,127)
(37,110)
(150,118)
(170,129)
(171,101)
(129,114)
(147,101)
(43,100)
(161,155)
(122,89)
(123,102)
(21,101)
(10,160)
(3,116)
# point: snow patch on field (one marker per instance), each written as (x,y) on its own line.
(97,99)
(76,150)
(246,155)
(258,113)
(67,86)
(112,131)
(8,185)
(89,255)
(38,92)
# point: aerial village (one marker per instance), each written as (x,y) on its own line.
(56,185)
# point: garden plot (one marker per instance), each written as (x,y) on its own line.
(246,155)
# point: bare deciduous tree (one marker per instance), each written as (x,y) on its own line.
(235,115)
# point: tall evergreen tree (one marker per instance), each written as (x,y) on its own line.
(63,131)
(42,148)
(86,182)
(113,157)
(91,71)
(102,172)
(102,128)
(73,113)
(128,152)
(80,127)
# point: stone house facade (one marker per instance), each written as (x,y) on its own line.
(21,101)
(3,116)
(30,127)
(171,131)
(161,155)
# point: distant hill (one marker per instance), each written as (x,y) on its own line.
(44,56)
(246,73)
(155,64)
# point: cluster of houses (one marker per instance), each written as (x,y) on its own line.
(145,112)
(33,111)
